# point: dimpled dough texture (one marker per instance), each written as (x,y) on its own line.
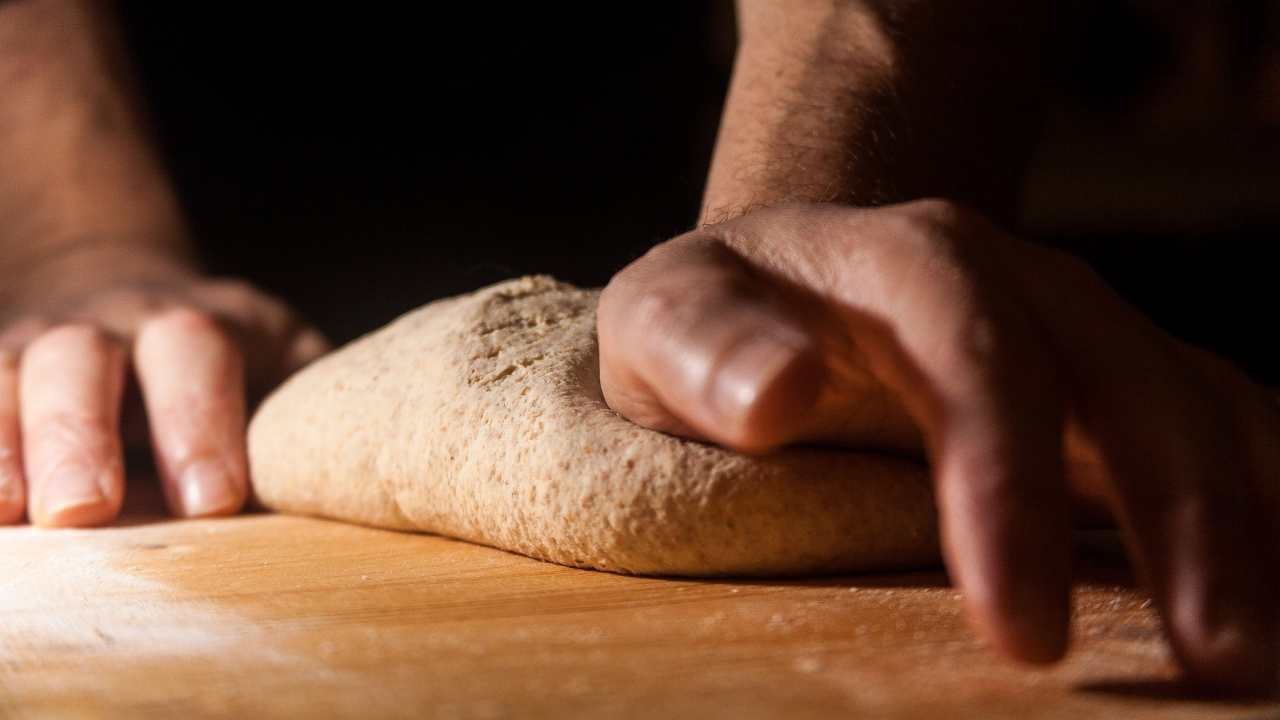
(480,417)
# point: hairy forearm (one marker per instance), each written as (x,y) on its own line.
(872,102)
(80,182)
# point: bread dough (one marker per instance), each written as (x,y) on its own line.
(480,417)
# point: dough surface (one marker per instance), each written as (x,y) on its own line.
(480,417)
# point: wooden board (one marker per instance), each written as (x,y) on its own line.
(272,616)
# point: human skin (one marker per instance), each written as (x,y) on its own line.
(102,309)
(856,105)
(850,283)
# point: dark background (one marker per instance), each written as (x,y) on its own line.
(361,162)
(364,162)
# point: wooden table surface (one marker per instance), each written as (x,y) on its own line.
(273,616)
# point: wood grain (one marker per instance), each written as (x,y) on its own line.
(273,616)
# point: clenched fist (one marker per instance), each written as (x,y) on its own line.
(1026,381)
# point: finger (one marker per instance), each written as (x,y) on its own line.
(282,344)
(70,384)
(303,346)
(692,343)
(192,380)
(1259,412)
(1181,486)
(13,496)
(938,324)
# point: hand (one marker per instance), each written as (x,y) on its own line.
(195,347)
(923,325)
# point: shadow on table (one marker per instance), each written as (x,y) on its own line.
(1175,690)
(913,579)
(1101,561)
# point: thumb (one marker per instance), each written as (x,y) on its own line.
(694,342)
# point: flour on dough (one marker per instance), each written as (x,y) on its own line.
(480,417)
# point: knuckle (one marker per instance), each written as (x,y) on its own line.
(79,458)
(85,336)
(75,429)
(915,248)
(244,307)
(988,475)
(688,298)
(230,288)
(979,339)
(237,296)
(654,308)
(941,233)
(644,296)
(996,345)
(68,440)
(942,212)
(305,344)
(182,319)
(997,486)
(22,331)
(937,241)
(130,301)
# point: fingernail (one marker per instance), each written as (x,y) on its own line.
(205,488)
(68,492)
(749,370)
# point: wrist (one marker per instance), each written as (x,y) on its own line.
(807,87)
(870,103)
